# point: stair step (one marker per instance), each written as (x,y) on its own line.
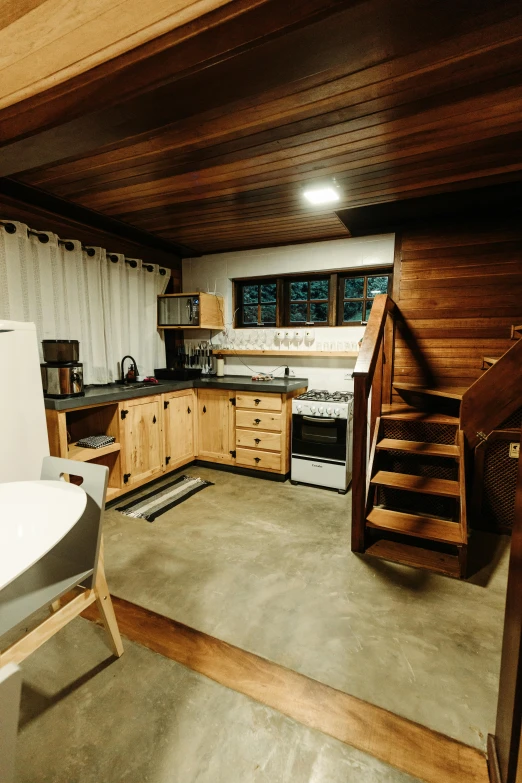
(407,413)
(450,392)
(516,332)
(426,486)
(417,447)
(415,556)
(414,525)
(490,360)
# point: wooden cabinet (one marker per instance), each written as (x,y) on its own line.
(141,431)
(216,425)
(179,416)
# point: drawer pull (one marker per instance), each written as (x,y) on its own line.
(257,440)
(257,401)
(257,459)
(154,420)
(204,409)
(257,421)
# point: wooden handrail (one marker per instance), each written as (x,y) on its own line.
(368,373)
(493,397)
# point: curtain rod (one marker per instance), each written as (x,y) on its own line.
(43,238)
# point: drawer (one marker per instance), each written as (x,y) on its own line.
(253,458)
(259,420)
(267,402)
(254,439)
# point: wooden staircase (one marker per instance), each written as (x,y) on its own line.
(417,492)
(409,501)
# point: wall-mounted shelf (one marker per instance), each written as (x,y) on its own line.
(296,354)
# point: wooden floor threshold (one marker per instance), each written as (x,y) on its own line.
(408,746)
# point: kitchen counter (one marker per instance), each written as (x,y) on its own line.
(95,395)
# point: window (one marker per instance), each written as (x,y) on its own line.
(307,300)
(257,303)
(332,299)
(356,296)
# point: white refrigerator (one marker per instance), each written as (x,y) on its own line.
(23,431)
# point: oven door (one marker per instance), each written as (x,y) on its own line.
(318,437)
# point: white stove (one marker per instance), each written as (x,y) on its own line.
(322,439)
(318,402)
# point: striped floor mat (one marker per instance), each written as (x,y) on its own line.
(164,498)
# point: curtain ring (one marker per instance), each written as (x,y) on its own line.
(114,258)
(69,246)
(131,262)
(90,251)
(163,272)
(43,238)
(149,267)
(10,228)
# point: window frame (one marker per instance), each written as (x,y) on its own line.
(239,303)
(288,302)
(364,273)
(335,299)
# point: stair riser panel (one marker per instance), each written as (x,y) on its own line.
(417,503)
(427,432)
(416,465)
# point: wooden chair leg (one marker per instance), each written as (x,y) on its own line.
(106,609)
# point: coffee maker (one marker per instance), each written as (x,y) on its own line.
(62,373)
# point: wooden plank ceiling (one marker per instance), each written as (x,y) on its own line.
(207,138)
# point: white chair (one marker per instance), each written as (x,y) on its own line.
(75,562)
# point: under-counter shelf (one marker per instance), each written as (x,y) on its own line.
(82,454)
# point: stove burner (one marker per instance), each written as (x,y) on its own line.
(322,395)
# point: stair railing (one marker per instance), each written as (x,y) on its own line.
(493,397)
(372,373)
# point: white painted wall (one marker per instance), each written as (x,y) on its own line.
(216,272)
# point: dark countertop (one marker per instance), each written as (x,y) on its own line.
(94,395)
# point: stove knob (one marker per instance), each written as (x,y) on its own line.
(337,411)
(321,409)
(329,411)
(312,408)
(299,408)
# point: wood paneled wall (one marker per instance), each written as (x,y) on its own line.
(41,219)
(459,289)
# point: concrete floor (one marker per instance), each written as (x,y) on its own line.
(267,567)
(89,718)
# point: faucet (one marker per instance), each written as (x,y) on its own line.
(134,364)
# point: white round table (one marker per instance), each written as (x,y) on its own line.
(34,517)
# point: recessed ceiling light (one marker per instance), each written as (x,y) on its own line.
(321,195)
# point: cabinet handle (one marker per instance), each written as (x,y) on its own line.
(154,420)
(188,410)
(257,440)
(204,409)
(166,404)
(257,459)
(257,421)
(257,401)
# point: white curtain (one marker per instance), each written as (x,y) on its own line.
(76,294)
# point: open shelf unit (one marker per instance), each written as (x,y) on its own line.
(293,354)
(88,455)
(99,420)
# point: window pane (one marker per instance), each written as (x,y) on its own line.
(268,313)
(319,312)
(353,311)
(319,289)
(353,287)
(299,291)
(377,285)
(298,312)
(368,308)
(268,292)
(250,315)
(250,294)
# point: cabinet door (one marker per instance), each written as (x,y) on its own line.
(143,439)
(179,428)
(216,425)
